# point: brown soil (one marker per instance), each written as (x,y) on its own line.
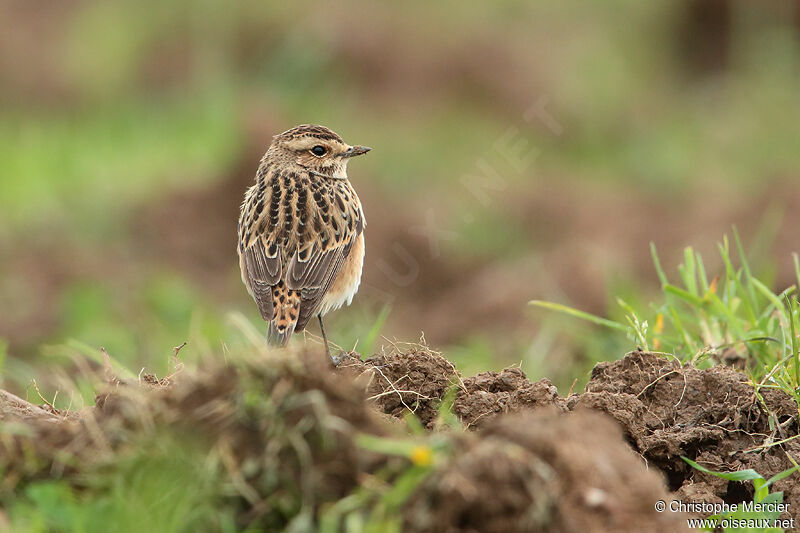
(414,380)
(489,394)
(209,404)
(712,416)
(543,472)
(665,410)
(596,461)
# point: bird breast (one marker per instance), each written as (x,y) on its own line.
(346,284)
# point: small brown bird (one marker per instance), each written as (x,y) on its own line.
(301,231)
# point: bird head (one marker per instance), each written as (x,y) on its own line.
(316,149)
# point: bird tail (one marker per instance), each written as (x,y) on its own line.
(284,321)
(277,337)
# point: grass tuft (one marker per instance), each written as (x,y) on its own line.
(727,317)
(761,495)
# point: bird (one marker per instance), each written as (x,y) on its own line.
(301,231)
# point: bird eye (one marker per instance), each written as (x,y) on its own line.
(318,150)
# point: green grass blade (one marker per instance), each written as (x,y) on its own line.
(594,319)
(745,263)
(677,323)
(404,486)
(761,489)
(796,260)
(660,271)
(777,301)
(733,322)
(386,446)
(369,341)
(740,475)
(688,271)
(686,296)
(701,272)
(791,304)
(781,475)
(734,279)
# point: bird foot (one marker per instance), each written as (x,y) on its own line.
(337,359)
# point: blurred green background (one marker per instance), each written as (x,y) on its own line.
(521,150)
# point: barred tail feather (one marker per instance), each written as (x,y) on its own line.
(286,304)
(279,338)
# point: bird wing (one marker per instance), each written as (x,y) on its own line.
(298,230)
(311,295)
(260,258)
(260,273)
(336,220)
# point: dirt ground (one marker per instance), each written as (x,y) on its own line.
(664,410)
(542,472)
(530,460)
(712,416)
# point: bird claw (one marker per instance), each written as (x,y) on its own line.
(337,359)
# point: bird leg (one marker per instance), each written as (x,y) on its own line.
(336,360)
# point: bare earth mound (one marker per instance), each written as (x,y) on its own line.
(543,472)
(400,381)
(665,410)
(489,394)
(712,416)
(596,461)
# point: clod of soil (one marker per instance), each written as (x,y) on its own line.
(254,434)
(13,408)
(555,465)
(416,380)
(489,394)
(543,471)
(401,381)
(712,416)
(666,410)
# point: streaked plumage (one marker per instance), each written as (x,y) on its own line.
(301,230)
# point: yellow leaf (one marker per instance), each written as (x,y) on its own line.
(659,327)
(712,287)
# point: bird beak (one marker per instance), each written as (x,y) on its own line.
(356,150)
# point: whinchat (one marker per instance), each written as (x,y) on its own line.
(301,231)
